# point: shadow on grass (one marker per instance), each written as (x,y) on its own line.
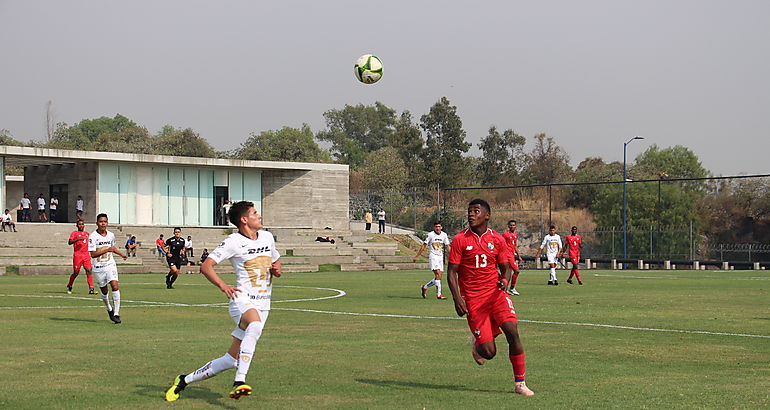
(418,385)
(189,394)
(71,319)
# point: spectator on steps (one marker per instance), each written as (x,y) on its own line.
(368,219)
(41,209)
(26,205)
(161,245)
(8,221)
(79,205)
(131,246)
(204,255)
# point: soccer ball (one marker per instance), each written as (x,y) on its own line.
(368,69)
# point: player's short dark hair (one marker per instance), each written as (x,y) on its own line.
(484,204)
(238,210)
(436,223)
(574,226)
(552,227)
(102,215)
(178,229)
(512,220)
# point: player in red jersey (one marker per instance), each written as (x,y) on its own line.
(574,243)
(511,239)
(478,290)
(81,256)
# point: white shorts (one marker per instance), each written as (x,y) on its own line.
(436,262)
(551,257)
(103,276)
(239,306)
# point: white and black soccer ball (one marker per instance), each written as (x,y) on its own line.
(368,69)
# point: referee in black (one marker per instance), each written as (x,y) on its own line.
(174,250)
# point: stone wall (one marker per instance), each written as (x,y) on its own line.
(80,178)
(313,199)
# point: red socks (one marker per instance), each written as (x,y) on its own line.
(513,280)
(519,369)
(90,279)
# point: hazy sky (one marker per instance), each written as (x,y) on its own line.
(589,73)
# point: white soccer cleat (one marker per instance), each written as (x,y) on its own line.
(512,291)
(521,388)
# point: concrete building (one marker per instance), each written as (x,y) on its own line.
(139,189)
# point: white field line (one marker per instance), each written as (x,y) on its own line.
(673,277)
(342,293)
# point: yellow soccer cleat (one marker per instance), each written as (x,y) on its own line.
(172,393)
(240,390)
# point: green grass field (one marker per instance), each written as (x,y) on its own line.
(382,346)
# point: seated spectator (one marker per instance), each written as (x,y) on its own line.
(204,255)
(324,239)
(8,221)
(161,245)
(131,246)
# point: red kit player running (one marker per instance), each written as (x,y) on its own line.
(478,290)
(81,257)
(511,239)
(574,243)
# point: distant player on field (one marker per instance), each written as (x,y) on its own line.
(81,257)
(478,290)
(552,243)
(174,248)
(101,246)
(574,243)
(255,259)
(512,239)
(436,240)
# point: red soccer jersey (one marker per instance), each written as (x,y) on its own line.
(573,244)
(81,247)
(510,240)
(478,257)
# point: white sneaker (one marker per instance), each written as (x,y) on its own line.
(521,388)
(512,291)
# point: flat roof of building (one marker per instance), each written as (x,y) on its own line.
(30,156)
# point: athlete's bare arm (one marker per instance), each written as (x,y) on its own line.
(505,276)
(460,307)
(275,268)
(71,241)
(207,270)
(419,252)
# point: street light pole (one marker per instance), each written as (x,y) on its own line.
(625,180)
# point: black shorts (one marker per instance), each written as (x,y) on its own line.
(174,261)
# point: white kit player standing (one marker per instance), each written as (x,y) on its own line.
(552,243)
(101,246)
(436,240)
(254,258)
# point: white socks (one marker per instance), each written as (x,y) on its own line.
(116,302)
(430,283)
(106,301)
(438,286)
(211,369)
(249,342)
(553,273)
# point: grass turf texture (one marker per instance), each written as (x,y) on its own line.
(79,359)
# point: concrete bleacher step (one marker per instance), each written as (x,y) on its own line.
(405,266)
(360,267)
(392,259)
(62,260)
(321,251)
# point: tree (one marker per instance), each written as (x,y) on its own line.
(406,138)
(286,144)
(592,170)
(672,162)
(501,156)
(356,130)
(547,162)
(443,161)
(182,142)
(7,139)
(384,171)
(85,135)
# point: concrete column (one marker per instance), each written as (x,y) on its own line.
(588,263)
(756,265)
(640,264)
(614,264)
(646,266)
(667,265)
(696,265)
(593,265)
(725,265)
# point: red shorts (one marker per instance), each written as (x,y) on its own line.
(485,316)
(575,259)
(81,260)
(514,265)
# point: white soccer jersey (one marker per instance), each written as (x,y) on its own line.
(98,242)
(552,244)
(436,243)
(251,261)
(41,204)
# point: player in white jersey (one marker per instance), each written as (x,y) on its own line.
(553,245)
(101,246)
(436,240)
(252,253)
